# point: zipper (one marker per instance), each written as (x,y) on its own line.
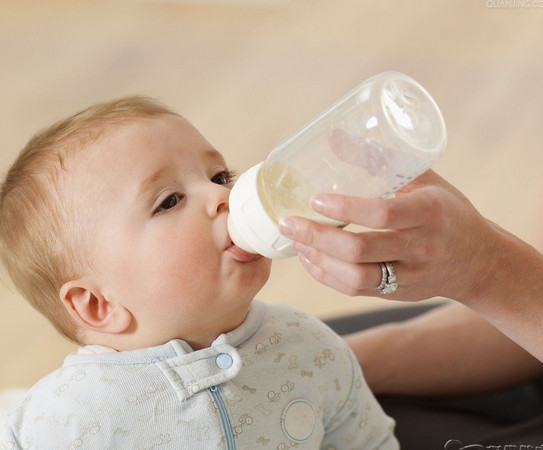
(225,420)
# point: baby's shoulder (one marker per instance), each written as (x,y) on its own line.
(53,389)
(288,330)
(64,403)
(291,319)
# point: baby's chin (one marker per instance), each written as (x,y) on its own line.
(250,282)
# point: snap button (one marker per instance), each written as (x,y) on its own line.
(224,361)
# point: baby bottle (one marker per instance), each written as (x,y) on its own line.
(370,143)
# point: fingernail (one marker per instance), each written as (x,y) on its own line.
(317,204)
(286,228)
(303,259)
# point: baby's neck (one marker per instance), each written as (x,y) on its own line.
(197,336)
(94,349)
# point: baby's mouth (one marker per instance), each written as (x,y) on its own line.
(240,254)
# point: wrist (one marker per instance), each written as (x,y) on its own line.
(509,291)
(505,269)
(486,266)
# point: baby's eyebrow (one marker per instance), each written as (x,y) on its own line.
(214,154)
(148,184)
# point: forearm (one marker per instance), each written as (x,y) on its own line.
(440,245)
(447,351)
(509,291)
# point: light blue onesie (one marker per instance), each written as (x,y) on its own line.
(282,380)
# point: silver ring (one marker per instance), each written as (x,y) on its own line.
(388,284)
(384,277)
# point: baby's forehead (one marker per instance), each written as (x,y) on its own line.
(94,140)
(160,132)
(138,143)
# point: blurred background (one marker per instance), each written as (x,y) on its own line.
(249,73)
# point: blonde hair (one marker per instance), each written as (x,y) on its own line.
(41,244)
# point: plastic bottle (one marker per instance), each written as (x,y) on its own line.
(374,140)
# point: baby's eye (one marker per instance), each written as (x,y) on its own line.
(224,177)
(169,202)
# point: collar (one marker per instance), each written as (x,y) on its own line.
(188,371)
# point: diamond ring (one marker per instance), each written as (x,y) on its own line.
(388,284)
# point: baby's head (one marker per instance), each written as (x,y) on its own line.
(113,225)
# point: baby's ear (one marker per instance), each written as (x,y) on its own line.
(90,309)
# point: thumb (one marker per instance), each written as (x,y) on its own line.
(428,178)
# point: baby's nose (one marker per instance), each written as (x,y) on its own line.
(218,201)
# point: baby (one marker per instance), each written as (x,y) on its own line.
(113,225)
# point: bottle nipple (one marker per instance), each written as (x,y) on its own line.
(236,236)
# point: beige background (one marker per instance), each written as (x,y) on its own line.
(248,73)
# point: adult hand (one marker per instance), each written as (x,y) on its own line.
(440,246)
(437,241)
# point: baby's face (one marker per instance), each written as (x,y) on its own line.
(163,250)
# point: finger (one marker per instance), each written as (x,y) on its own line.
(362,284)
(365,247)
(428,178)
(339,284)
(356,276)
(406,211)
